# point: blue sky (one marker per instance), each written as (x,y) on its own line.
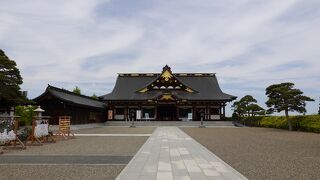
(250,44)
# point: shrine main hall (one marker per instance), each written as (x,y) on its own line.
(167,96)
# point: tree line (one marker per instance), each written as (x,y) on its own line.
(281,97)
(77,90)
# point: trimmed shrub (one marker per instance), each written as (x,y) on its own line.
(309,123)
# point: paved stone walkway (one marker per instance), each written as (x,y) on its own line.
(171,154)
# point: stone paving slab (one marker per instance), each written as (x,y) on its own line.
(58,159)
(171,154)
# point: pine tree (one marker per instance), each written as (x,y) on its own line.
(77,90)
(10,81)
(284,97)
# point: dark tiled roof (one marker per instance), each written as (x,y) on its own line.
(206,85)
(71,97)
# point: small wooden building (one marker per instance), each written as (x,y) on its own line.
(167,96)
(59,102)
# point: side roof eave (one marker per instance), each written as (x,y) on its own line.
(41,95)
(49,90)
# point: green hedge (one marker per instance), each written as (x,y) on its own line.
(309,123)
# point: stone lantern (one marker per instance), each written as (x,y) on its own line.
(39,111)
(11,111)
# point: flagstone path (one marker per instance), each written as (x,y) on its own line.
(170,154)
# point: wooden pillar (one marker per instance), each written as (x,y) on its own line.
(208,112)
(177,112)
(126,113)
(156,113)
(193,113)
(113,113)
(33,129)
(220,111)
(224,110)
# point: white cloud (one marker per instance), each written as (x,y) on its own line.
(248,43)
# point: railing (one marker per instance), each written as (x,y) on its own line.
(9,126)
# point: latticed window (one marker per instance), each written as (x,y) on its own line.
(119,111)
(215,111)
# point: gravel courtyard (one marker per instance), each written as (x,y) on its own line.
(117,130)
(81,149)
(257,153)
(261,153)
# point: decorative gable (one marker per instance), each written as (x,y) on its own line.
(166,81)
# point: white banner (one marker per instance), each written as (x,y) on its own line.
(138,114)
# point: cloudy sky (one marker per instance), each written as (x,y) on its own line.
(250,44)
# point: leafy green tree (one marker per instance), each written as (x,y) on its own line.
(10,81)
(26,113)
(238,109)
(77,90)
(246,106)
(255,109)
(94,96)
(284,97)
(319,110)
(235,115)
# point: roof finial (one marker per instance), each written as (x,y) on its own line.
(166,67)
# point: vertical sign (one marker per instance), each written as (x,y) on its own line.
(138,114)
(189,116)
(110,114)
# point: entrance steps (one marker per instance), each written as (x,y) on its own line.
(172,123)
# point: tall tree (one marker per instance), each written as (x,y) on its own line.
(238,109)
(94,96)
(284,97)
(319,109)
(77,90)
(10,81)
